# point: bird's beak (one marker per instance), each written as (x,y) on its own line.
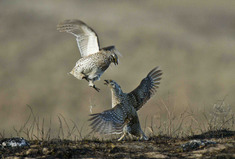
(106,82)
(116,61)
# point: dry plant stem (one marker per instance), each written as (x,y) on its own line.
(2,134)
(145,123)
(60,129)
(79,132)
(48,131)
(169,123)
(169,117)
(67,126)
(18,132)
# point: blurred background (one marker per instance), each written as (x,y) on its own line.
(192,41)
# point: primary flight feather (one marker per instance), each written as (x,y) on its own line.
(94,60)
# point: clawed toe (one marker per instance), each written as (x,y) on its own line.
(97,89)
(93,86)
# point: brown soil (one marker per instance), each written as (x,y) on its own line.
(156,147)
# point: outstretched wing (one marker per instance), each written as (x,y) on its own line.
(110,121)
(87,39)
(146,88)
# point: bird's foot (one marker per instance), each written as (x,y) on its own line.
(142,137)
(93,86)
(97,89)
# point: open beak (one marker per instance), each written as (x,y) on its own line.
(106,82)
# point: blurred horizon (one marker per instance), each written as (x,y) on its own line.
(191,41)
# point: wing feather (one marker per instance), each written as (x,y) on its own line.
(146,89)
(110,121)
(87,39)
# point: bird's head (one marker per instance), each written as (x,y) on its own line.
(114,58)
(113,85)
(113,54)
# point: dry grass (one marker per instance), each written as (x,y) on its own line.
(34,129)
(188,123)
(220,117)
(193,42)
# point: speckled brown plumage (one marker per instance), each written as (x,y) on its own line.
(94,61)
(113,120)
(131,102)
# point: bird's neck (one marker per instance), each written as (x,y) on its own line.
(116,97)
